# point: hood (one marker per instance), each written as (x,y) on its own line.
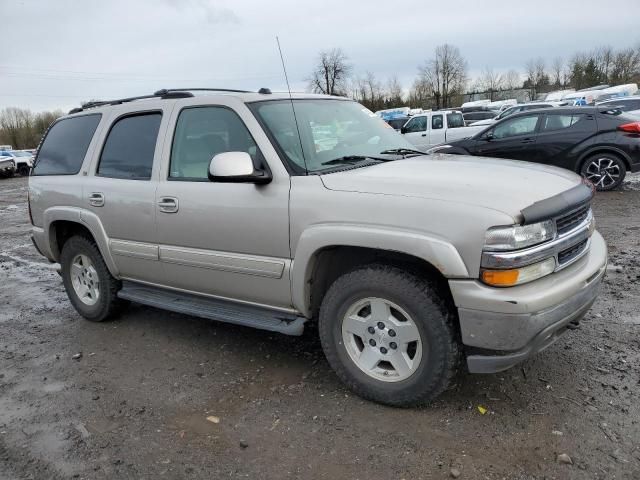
(480,123)
(508,186)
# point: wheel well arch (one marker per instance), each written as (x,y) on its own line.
(610,150)
(62,230)
(329,263)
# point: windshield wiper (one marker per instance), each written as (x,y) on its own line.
(352,159)
(401,151)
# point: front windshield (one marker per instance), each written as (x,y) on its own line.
(329,130)
(506,113)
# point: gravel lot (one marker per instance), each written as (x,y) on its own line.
(135,404)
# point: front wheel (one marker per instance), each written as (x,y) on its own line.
(388,335)
(605,170)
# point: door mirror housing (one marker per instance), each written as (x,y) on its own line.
(488,136)
(236,167)
(403,130)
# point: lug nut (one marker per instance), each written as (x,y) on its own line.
(371,330)
(393,345)
(381,325)
(392,333)
(383,350)
(372,342)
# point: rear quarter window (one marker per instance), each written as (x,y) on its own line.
(65,145)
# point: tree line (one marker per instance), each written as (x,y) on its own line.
(22,128)
(443,81)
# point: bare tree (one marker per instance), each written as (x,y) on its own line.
(603,57)
(22,129)
(331,73)
(394,94)
(420,93)
(536,76)
(512,80)
(625,65)
(446,74)
(557,69)
(491,82)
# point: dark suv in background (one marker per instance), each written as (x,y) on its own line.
(600,143)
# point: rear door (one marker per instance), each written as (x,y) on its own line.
(415,131)
(121,185)
(563,136)
(437,129)
(513,138)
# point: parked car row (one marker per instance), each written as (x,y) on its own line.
(22,161)
(600,143)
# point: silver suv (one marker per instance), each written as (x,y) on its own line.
(275,212)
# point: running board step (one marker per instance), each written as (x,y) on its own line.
(214,309)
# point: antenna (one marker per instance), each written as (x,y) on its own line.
(295,118)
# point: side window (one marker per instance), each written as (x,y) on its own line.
(436,122)
(63,149)
(455,120)
(560,122)
(130,146)
(416,124)
(515,127)
(203,132)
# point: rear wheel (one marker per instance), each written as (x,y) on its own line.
(388,335)
(605,170)
(90,286)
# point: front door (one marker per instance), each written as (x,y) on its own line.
(514,138)
(221,239)
(415,131)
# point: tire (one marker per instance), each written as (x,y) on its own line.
(23,171)
(409,297)
(605,170)
(82,262)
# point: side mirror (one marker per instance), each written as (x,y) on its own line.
(236,167)
(488,136)
(403,130)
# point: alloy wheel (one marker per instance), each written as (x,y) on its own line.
(382,340)
(603,172)
(84,279)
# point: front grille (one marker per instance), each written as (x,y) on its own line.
(572,220)
(570,253)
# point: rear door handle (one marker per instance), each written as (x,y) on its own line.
(168,204)
(96,199)
(528,140)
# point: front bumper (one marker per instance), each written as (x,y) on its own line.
(508,325)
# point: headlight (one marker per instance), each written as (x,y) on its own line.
(515,237)
(518,276)
(437,148)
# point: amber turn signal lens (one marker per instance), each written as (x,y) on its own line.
(500,278)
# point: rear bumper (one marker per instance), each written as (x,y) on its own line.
(511,324)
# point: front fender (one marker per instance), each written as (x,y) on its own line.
(438,252)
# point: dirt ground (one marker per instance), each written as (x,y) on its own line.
(135,405)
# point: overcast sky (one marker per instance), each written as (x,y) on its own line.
(56,53)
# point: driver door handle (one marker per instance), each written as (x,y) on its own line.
(527,140)
(168,205)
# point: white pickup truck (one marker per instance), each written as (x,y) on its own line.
(432,128)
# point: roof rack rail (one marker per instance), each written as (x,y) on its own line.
(159,94)
(164,91)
